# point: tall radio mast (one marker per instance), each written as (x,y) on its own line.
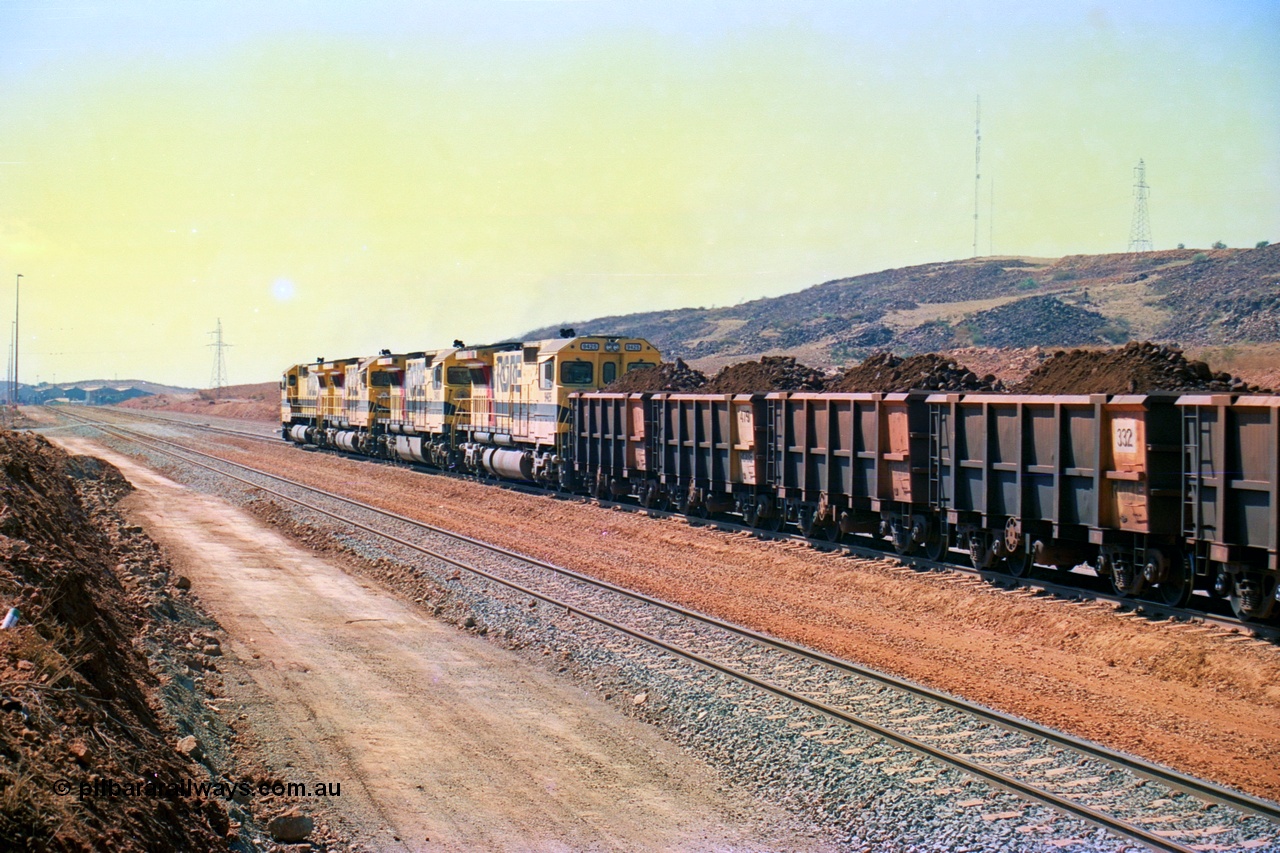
(977,167)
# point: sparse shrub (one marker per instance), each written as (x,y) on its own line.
(1117,331)
(1064,275)
(1182,245)
(1027,284)
(1262,244)
(1218,244)
(1199,258)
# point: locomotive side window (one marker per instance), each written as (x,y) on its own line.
(459,376)
(576,373)
(381,380)
(548,375)
(293,380)
(608,372)
(636,365)
(437,376)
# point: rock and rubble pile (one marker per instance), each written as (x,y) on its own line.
(887,373)
(1009,365)
(77,701)
(668,376)
(1133,369)
(770,373)
(1039,320)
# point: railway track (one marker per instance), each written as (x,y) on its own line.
(1211,612)
(1129,797)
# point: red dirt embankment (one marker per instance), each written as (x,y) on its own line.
(1179,694)
(77,701)
(257,402)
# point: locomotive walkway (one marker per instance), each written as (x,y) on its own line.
(1134,799)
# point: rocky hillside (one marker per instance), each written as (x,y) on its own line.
(1202,298)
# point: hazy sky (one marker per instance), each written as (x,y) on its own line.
(335,178)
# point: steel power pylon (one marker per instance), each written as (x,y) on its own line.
(219,377)
(1140,228)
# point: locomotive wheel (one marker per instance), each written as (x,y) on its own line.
(1252,597)
(1175,589)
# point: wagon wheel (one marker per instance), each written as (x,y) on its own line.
(806,520)
(1252,597)
(903,540)
(775,521)
(1127,578)
(751,514)
(1175,589)
(1018,563)
(649,495)
(832,531)
(979,550)
(937,542)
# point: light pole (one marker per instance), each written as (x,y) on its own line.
(17,294)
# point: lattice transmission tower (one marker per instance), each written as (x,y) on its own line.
(977,167)
(1140,228)
(219,376)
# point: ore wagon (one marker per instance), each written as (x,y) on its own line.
(1231,496)
(1062,480)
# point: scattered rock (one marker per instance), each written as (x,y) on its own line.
(183,582)
(190,747)
(640,699)
(290,827)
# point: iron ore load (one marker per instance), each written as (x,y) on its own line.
(1162,492)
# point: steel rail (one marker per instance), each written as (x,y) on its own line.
(1142,606)
(1190,785)
(192,424)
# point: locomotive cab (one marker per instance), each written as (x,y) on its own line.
(519,419)
(293,390)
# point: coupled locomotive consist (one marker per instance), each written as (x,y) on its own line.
(1161,493)
(499,409)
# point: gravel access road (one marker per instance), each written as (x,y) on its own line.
(441,740)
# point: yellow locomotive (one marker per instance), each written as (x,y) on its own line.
(499,409)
